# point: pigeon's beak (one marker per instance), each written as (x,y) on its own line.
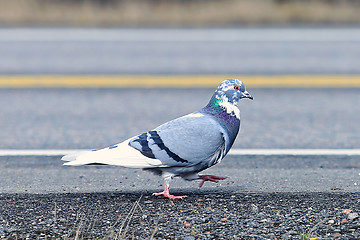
(246,94)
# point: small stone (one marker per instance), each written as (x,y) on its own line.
(254,209)
(331,221)
(353,216)
(224,219)
(189,238)
(346,211)
(186,224)
(355,226)
(344,221)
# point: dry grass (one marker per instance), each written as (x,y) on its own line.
(176,12)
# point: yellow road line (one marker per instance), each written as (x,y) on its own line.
(177,81)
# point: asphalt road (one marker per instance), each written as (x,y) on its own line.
(244,174)
(95,118)
(180,51)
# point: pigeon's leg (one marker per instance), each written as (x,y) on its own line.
(166,192)
(210,178)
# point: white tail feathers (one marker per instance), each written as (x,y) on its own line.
(72,156)
(120,155)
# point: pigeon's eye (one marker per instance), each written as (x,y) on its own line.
(237,88)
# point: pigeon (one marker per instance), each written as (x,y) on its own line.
(182,147)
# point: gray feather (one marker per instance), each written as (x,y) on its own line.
(184,142)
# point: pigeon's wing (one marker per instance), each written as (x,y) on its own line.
(185,141)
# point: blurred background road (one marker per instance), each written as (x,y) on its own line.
(260,50)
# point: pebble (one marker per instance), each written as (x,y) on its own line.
(346,211)
(189,238)
(254,209)
(186,224)
(353,216)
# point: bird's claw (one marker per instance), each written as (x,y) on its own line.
(210,178)
(167,195)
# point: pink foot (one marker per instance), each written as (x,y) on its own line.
(166,193)
(210,178)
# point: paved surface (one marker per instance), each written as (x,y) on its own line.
(95,118)
(245,174)
(180,51)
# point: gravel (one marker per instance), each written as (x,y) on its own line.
(212,215)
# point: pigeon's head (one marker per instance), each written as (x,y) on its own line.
(227,96)
(232,90)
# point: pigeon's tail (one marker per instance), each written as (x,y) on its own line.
(72,156)
(120,155)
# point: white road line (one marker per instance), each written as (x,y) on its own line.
(38,152)
(266,152)
(300,152)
